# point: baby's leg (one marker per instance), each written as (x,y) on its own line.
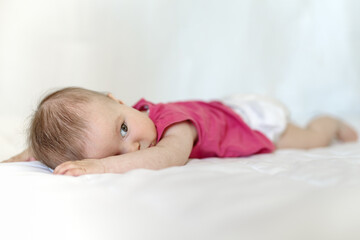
(318,133)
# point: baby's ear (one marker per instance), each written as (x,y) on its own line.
(109,95)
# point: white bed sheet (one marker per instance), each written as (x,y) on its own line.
(291,194)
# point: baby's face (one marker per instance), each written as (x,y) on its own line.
(115,128)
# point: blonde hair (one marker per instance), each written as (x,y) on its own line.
(58,127)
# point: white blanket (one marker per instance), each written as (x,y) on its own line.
(290,194)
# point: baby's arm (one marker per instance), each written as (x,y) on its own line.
(173,150)
(24,156)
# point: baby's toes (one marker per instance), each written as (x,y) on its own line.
(347,133)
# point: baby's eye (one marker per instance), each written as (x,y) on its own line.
(123,130)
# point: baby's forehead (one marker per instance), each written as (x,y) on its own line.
(99,105)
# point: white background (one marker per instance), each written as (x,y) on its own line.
(306,53)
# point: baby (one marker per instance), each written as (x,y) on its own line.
(77,131)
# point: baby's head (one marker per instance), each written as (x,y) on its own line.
(59,127)
(76,123)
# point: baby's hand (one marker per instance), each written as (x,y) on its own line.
(81,167)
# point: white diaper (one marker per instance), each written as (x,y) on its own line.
(264,114)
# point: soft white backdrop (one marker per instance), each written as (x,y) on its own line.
(306,53)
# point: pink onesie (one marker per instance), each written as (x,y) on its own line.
(221,132)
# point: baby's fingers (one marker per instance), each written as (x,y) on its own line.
(70,168)
(75,172)
(62,168)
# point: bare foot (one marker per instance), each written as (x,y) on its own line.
(346,133)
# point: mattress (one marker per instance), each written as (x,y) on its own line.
(289,194)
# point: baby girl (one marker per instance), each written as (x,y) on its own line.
(77,131)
